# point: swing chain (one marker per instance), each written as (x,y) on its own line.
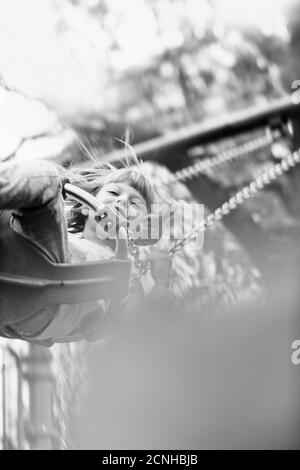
(141,265)
(240,197)
(236,200)
(192,171)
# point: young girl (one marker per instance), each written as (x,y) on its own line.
(32,207)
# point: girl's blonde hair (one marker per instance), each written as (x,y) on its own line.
(94,178)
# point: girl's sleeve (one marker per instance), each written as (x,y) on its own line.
(32,192)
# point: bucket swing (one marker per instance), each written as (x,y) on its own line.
(33,283)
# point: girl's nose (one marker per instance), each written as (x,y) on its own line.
(122,207)
(130,211)
(122,200)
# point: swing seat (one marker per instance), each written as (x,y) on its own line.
(30,286)
(72,283)
(30,283)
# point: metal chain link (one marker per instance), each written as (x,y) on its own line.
(239,198)
(134,250)
(238,152)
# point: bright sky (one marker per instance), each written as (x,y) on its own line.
(33,59)
(68,71)
(265,14)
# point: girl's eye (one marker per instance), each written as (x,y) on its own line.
(113,192)
(136,203)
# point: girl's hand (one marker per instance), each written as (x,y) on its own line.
(161,265)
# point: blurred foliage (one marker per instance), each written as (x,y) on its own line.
(197,68)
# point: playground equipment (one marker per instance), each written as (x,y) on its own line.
(35,282)
(39,283)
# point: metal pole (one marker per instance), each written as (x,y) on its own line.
(165,147)
(20,418)
(3,370)
(40,379)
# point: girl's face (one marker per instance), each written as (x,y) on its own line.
(123,198)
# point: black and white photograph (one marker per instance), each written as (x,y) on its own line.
(149,228)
